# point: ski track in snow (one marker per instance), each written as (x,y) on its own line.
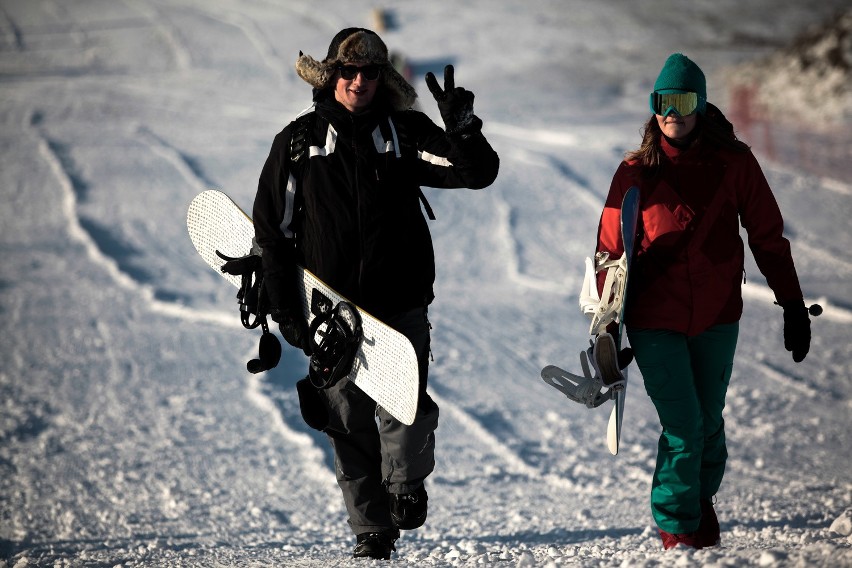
(95,254)
(180,161)
(169,33)
(786,380)
(512,247)
(515,464)
(10,28)
(250,30)
(505,230)
(815,252)
(312,458)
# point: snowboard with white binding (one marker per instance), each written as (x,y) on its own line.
(604,373)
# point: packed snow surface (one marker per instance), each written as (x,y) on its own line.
(131,433)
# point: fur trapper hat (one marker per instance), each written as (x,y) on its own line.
(363,46)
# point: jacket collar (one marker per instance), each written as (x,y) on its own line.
(676,150)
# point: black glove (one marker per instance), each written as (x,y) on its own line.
(797,329)
(293,328)
(625,356)
(455,104)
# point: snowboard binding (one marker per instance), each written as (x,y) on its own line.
(333,354)
(603,308)
(250,270)
(602,374)
(602,363)
(608,362)
(252,301)
(605,362)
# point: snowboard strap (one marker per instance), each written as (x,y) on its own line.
(400,135)
(253,302)
(250,270)
(602,377)
(603,309)
(333,356)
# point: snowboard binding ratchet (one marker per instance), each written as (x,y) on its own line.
(335,336)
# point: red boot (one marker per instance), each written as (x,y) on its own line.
(671,540)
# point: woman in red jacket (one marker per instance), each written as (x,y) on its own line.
(697,183)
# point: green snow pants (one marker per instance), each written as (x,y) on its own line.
(687,380)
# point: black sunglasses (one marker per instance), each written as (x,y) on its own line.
(349,72)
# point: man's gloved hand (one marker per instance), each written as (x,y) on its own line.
(797,329)
(293,328)
(455,104)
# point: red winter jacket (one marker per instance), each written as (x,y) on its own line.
(688,270)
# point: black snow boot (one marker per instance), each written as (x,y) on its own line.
(376,545)
(408,510)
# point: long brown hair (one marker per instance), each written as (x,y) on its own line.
(714,132)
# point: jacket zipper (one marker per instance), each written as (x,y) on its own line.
(357,189)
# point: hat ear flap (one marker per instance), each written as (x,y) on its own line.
(401,95)
(315,73)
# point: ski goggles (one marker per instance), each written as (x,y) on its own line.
(369,72)
(682,104)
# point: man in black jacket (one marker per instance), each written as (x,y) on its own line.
(340,195)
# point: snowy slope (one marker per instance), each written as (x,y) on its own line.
(130,432)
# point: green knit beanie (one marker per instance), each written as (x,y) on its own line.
(680,74)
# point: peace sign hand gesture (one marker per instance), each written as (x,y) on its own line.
(455,104)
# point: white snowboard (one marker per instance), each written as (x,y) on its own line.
(385,366)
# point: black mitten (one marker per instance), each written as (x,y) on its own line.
(797,329)
(455,104)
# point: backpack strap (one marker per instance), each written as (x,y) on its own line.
(401,135)
(426,206)
(299,141)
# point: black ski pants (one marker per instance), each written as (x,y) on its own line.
(374,453)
